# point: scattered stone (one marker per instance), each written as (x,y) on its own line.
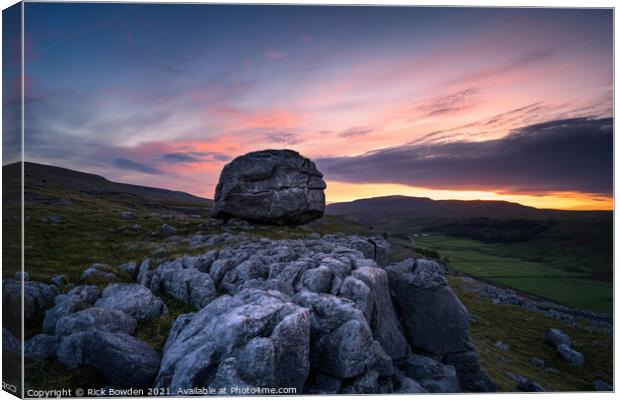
(98,273)
(127,215)
(602,386)
(159,251)
(130,268)
(59,280)
(22,274)
(555,337)
(514,377)
(529,385)
(52,219)
(562,316)
(270,186)
(167,230)
(501,346)
(239,224)
(537,362)
(570,356)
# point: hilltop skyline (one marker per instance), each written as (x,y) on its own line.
(459,103)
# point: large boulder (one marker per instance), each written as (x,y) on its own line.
(270,186)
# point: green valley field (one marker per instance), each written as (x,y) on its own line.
(490,262)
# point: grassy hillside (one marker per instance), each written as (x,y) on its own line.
(523,330)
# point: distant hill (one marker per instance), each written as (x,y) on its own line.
(391,209)
(375,209)
(46,177)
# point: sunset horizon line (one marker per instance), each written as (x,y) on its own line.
(606,202)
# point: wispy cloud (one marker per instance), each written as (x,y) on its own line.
(125,163)
(356,131)
(194,157)
(288,138)
(454,102)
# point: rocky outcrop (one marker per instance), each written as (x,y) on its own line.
(270,186)
(319,314)
(256,338)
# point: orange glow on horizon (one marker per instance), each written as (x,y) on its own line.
(337,192)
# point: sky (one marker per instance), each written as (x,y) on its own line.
(460,103)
